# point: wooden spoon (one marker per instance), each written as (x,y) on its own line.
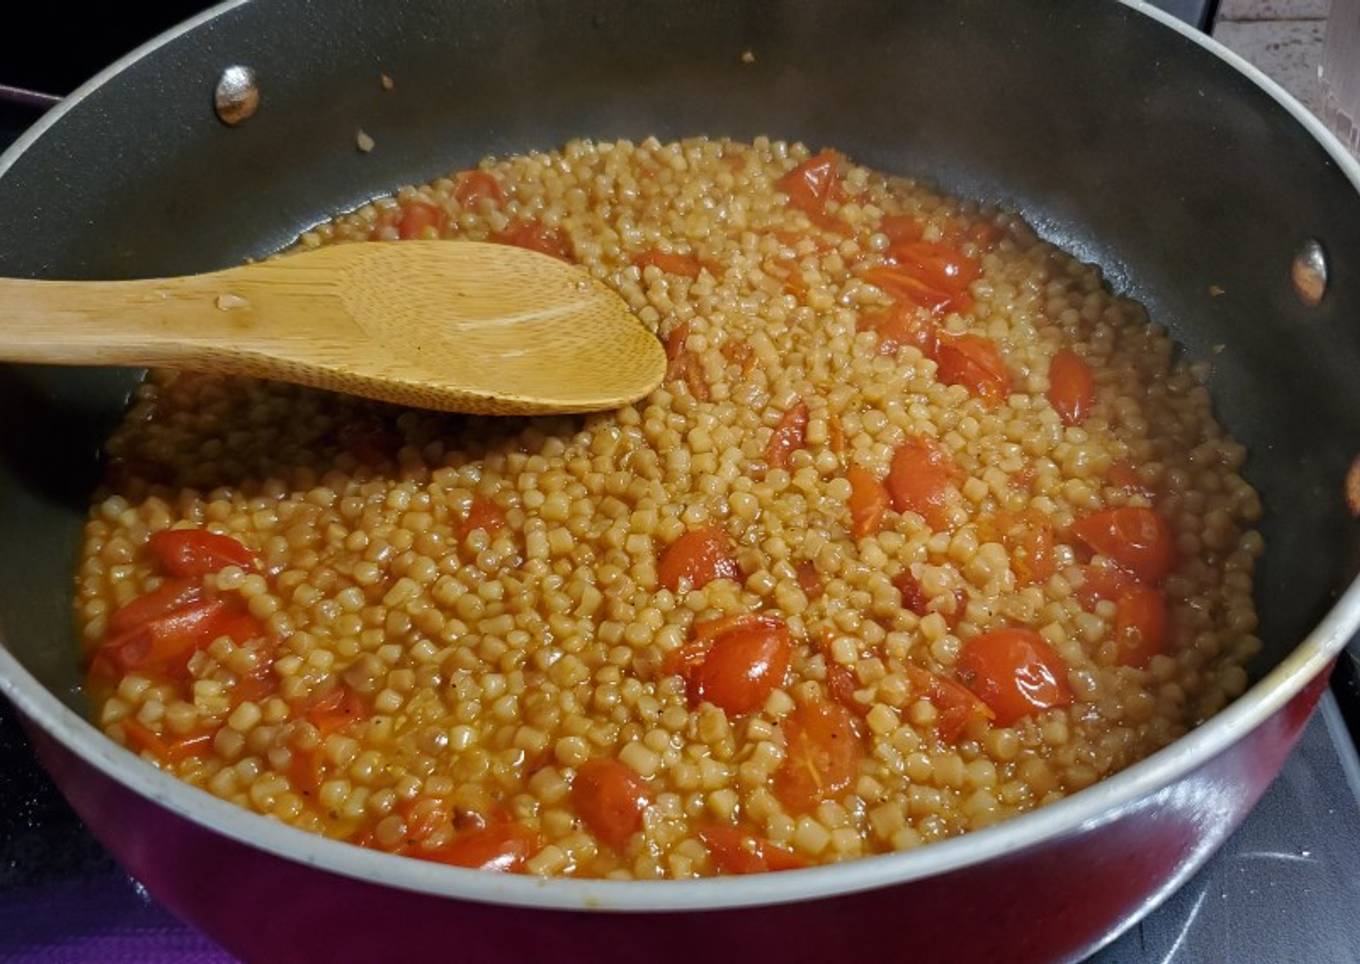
(457,326)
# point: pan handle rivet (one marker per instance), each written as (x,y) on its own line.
(1308,272)
(237,96)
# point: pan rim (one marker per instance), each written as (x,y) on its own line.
(1102,803)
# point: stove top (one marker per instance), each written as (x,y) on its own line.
(1284,888)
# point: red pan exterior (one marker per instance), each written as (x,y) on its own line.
(1055,901)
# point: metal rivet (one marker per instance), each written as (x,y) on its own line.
(1309,273)
(237,96)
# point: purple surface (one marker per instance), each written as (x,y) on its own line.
(62,898)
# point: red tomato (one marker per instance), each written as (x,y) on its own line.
(823,750)
(535,237)
(168,597)
(809,580)
(919,481)
(676,354)
(735,851)
(255,687)
(502,847)
(241,626)
(788,436)
(417,216)
(939,265)
(901,228)
(868,502)
(1123,475)
(985,235)
(1103,580)
(1071,387)
(335,709)
(902,284)
(164,642)
(610,798)
(166,750)
(1140,625)
(1015,673)
(682,365)
(955,704)
(685,265)
(841,684)
(197,552)
(812,184)
(471,186)
(424,817)
(482,514)
(975,363)
(307,771)
(1029,538)
(914,598)
(699,556)
(1138,539)
(899,326)
(743,666)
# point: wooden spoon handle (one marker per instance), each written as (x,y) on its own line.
(208,322)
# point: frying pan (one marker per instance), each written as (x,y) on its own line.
(1193,188)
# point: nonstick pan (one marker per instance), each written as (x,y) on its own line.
(1191,179)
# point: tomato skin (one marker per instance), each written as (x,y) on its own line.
(868,502)
(900,326)
(482,514)
(197,552)
(141,739)
(240,626)
(335,709)
(1029,539)
(939,265)
(610,798)
(1123,475)
(1103,580)
(919,481)
(975,363)
(743,666)
(809,579)
(956,705)
(903,285)
(812,184)
(416,217)
(914,598)
(169,596)
(502,847)
(788,436)
(685,265)
(901,228)
(166,640)
(823,750)
(734,851)
(699,556)
(1140,625)
(1071,387)
(1015,673)
(681,365)
(535,237)
(471,186)
(1135,538)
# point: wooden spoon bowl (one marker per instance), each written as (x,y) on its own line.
(454,326)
